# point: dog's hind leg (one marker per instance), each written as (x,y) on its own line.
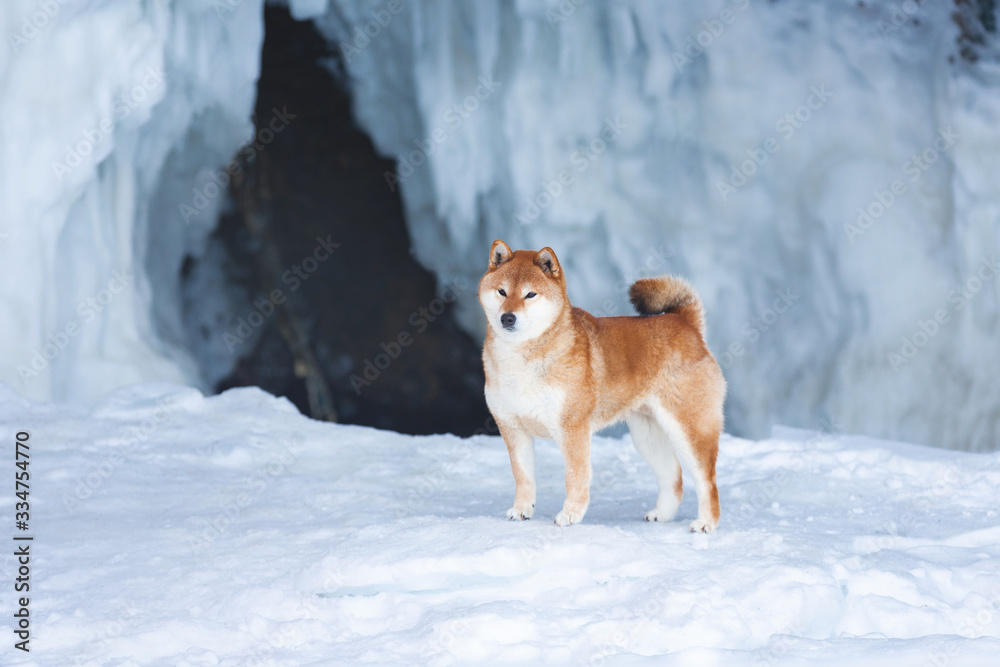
(697,448)
(656,448)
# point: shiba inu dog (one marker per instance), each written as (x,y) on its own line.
(555,371)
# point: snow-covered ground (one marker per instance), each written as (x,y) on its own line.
(173,529)
(842,155)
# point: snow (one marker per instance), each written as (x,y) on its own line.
(115,114)
(619,133)
(174,529)
(805,111)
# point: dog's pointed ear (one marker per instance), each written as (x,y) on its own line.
(546,260)
(500,252)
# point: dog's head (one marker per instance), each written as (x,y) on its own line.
(522,292)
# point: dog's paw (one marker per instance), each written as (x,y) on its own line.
(701,526)
(658,514)
(520,513)
(565,518)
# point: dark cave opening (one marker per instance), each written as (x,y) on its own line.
(339,317)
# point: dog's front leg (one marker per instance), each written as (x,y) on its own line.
(575,446)
(521,448)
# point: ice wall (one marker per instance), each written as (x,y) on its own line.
(114,113)
(824,172)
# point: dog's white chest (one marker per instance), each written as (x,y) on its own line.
(519,391)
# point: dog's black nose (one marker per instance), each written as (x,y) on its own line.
(507,320)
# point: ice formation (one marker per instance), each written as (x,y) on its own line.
(116,115)
(825,174)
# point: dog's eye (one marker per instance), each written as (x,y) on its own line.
(530,295)
(502,293)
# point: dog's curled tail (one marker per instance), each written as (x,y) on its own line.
(668,294)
